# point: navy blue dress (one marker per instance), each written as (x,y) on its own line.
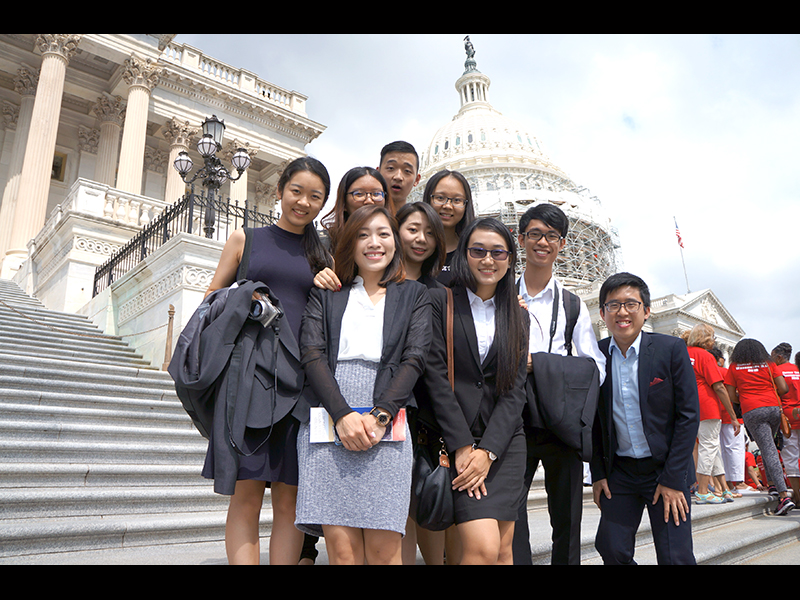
(277,259)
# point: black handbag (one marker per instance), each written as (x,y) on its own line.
(433,487)
(433,484)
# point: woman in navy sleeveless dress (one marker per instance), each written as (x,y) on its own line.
(285,257)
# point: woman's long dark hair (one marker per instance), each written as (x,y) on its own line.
(432,265)
(317,256)
(511,334)
(749,351)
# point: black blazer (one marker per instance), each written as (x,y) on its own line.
(475,412)
(670,411)
(406,340)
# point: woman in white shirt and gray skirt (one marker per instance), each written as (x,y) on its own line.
(363,347)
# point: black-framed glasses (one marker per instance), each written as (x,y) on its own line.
(361,196)
(440,200)
(480,253)
(535,235)
(632,306)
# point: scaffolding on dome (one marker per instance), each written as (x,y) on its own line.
(590,254)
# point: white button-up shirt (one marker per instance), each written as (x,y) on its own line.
(540,308)
(362,326)
(483,317)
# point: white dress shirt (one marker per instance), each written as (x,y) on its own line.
(483,317)
(540,308)
(362,326)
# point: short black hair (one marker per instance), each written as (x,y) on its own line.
(399,146)
(547,213)
(622,280)
(716,352)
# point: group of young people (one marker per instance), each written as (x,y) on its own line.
(410,317)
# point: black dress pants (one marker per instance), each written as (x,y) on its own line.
(632,484)
(563,480)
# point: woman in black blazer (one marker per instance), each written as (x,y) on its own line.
(362,347)
(481,416)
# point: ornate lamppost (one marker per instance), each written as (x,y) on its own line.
(213,173)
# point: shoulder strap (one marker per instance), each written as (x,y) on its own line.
(572,308)
(244,264)
(450,365)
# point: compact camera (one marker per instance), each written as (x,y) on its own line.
(263,311)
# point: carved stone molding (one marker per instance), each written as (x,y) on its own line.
(26,81)
(179,133)
(192,278)
(88,139)
(110,110)
(63,45)
(142,73)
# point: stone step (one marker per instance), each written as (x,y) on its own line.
(188,452)
(122,357)
(33,336)
(41,537)
(168,405)
(36,317)
(56,475)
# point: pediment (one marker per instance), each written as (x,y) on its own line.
(707,308)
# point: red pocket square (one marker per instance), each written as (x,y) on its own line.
(655,381)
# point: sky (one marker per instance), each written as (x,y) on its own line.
(699,129)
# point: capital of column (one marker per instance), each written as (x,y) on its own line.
(179,133)
(63,45)
(26,81)
(233,147)
(142,73)
(110,110)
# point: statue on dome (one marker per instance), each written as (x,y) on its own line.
(470,65)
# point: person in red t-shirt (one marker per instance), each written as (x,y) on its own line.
(733,446)
(712,393)
(756,378)
(781,354)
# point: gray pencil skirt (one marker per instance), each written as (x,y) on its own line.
(363,490)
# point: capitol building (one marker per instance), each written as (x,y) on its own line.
(94,218)
(509,171)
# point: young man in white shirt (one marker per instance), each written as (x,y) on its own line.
(542,232)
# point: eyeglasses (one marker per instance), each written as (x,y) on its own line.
(480,253)
(360,196)
(442,200)
(632,306)
(535,235)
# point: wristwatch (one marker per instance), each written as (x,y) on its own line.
(492,455)
(383,417)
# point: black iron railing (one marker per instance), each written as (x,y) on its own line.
(211,217)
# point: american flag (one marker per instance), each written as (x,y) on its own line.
(678,233)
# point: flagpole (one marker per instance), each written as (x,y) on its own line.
(680,244)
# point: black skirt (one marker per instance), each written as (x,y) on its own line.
(274,462)
(503,487)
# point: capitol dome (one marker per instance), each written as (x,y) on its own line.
(508,172)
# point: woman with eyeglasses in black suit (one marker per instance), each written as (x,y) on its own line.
(481,415)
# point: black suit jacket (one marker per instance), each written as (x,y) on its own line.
(475,412)
(670,411)
(406,339)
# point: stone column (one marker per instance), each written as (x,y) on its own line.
(179,135)
(111,113)
(34,182)
(142,76)
(25,84)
